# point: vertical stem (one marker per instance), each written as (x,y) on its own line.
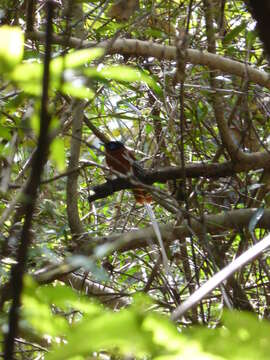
(30,195)
(75,15)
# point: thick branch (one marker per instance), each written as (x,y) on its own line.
(76,227)
(230,220)
(148,48)
(227,140)
(72,186)
(61,272)
(255,161)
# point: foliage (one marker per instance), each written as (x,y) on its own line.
(175,108)
(136,330)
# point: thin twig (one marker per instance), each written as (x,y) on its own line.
(30,194)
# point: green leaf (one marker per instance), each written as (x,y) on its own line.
(178,347)
(5,132)
(58,153)
(15,102)
(251,37)
(77,90)
(41,318)
(234,33)
(41,298)
(121,332)
(75,59)
(35,123)
(28,76)
(38,313)
(11,47)
(242,336)
(124,74)
(149,129)
(65,298)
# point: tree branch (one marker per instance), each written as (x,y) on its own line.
(255,161)
(162,52)
(30,195)
(214,224)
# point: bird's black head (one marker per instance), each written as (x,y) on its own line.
(114,145)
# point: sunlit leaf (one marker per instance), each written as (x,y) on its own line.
(124,74)
(57,149)
(38,313)
(40,317)
(242,336)
(77,90)
(120,331)
(11,47)
(5,132)
(35,123)
(76,59)
(28,76)
(149,129)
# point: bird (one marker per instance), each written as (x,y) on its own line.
(122,160)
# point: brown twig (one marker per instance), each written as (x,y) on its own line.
(31,195)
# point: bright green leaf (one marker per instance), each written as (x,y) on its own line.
(35,123)
(76,59)
(11,47)
(77,90)
(242,336)
(121,331)
(124,74)
(40,316)
(5,132)
(65,298)
(149,128)
(38,313)
(58,153)
(28,76)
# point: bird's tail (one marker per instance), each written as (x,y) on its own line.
(151,214)
(141,196)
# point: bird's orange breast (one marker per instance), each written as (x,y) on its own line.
(118,161)
(121,160)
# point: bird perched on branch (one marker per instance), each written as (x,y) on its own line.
(122,160)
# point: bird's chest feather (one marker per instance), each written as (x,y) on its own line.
(119,160)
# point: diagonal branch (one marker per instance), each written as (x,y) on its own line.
(213,224)
(162,52)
